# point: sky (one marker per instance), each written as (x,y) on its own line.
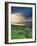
(24,10)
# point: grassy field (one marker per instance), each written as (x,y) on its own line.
(19,32)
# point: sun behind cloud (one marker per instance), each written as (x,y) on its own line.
(17,18)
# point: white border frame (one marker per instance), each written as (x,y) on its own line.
(33,23)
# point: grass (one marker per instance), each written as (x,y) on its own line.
(19,32)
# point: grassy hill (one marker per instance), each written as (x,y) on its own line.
(20,32)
